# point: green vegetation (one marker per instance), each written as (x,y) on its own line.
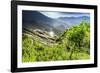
(72,44)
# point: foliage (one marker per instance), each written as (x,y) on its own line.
(72,44)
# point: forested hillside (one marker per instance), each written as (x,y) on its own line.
(72,44)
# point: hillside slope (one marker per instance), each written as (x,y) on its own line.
(72,44)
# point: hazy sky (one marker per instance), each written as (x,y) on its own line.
(63,14)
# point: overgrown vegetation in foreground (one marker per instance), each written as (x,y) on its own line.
(72,44)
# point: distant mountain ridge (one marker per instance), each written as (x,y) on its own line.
(74,17)
(74,20)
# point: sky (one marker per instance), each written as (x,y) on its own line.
(63,14)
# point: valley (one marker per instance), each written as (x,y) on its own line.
(38,45)
(46,38)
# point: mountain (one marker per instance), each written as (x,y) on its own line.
(74,20)
(34,19)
